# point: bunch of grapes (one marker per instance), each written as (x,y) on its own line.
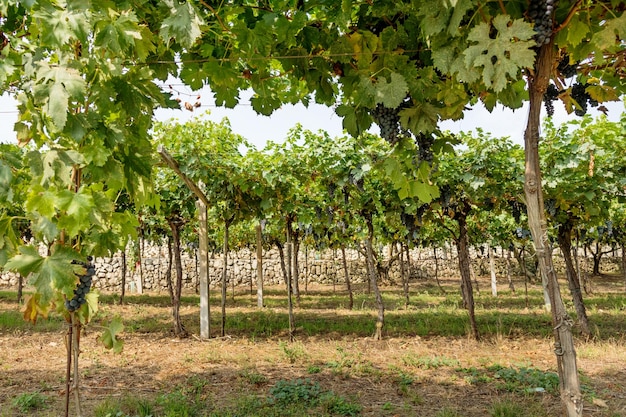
(517,209)
(540,12)
(389,122)
(582,97)
(425,143)
(566,69)
(82,287)
(551,94)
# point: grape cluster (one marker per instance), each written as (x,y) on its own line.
(389,122)
(566,69)
(82,287)
(445,197)
(551,94)
(425,144)
(581,96)
(517,209)
(540,12)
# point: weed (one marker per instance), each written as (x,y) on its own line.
(176,404)
(429,362)
(339,406)
(30,401)
(294,351)
(387,406)
(253,377)
(506,408)
(448,412)
(314,369)
(303,391)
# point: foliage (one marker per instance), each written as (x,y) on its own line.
(30,401)
(303,391)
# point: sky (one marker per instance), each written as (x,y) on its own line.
(259,129)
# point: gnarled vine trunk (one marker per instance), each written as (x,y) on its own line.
(369,248)
(175,225)
(466,273)
(565,243)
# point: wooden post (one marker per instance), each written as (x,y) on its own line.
(203,252)
(202,204)
(259,265)
(492,270)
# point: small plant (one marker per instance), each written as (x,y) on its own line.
(387,406)
(253,377)
(30,401)
(293,352)
(404,381)
(337,405)
(448,412)
(177,404)
(314,369)
(526,379)
(506,408)
(296,391)
(429,362)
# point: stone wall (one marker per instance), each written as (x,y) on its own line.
(317,267)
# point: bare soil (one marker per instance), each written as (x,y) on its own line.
(367,371)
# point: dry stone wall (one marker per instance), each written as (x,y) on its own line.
(316,267)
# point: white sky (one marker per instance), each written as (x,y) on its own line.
(259,129)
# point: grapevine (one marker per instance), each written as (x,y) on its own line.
(82,287)
(540,12)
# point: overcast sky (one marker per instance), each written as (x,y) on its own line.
(259,129)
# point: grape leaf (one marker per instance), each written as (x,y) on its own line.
(55,86)
(391,93)
(33,308)
(183,24)
(48,272)
(109,336)
(505,54)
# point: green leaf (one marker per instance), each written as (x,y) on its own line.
(350,119)
(26,262)
(505,54)
(423,191)
(55,86)
(265,105)
(183,24)
(391,93)
(109,336)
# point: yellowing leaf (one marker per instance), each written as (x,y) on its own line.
(33,309)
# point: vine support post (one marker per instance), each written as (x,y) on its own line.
(259,265)
(571,396)
(203,252)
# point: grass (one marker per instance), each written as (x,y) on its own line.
(335,382)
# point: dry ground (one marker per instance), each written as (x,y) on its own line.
(357,367)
